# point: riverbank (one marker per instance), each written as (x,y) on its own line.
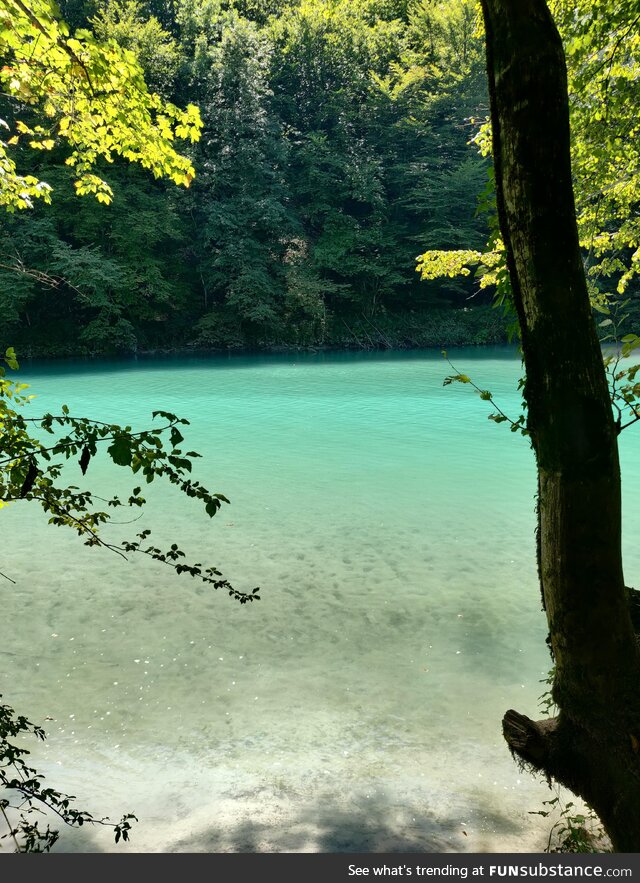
(438,327)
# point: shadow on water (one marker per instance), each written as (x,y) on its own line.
(376,825)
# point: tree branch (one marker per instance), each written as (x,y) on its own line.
(35,21)
(531,740)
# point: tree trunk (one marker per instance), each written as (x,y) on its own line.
(592,746)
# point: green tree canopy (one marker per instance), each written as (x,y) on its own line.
(602,49)
(91,96)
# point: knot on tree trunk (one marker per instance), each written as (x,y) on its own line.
(532,741)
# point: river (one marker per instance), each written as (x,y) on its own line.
(357,705)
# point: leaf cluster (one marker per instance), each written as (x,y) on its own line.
(31,470)
(499,416)
(91,95)
(24,796)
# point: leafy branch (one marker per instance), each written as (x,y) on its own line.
(31,471)
(94,99)
(625,390)
(33,797)
(518,425)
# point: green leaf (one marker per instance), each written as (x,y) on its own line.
(84,459)
(120,451)
(10,358)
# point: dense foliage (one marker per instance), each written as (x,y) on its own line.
(335,147)
(602,49)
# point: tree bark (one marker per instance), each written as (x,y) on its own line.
(592,747)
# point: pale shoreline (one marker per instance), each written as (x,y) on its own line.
(234,810)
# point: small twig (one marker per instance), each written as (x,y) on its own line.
(353,334)
(11,831)
(111,521)
(81,527)
(484,393)
(631,422)
(377,330)
(41,277)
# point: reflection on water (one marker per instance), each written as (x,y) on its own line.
(357,706)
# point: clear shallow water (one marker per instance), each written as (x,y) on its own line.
(357,706)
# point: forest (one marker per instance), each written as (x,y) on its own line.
(335,147)
(339,142)
(326,178)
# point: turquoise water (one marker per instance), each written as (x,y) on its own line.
(357,706)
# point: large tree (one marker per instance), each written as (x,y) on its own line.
(593,745)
